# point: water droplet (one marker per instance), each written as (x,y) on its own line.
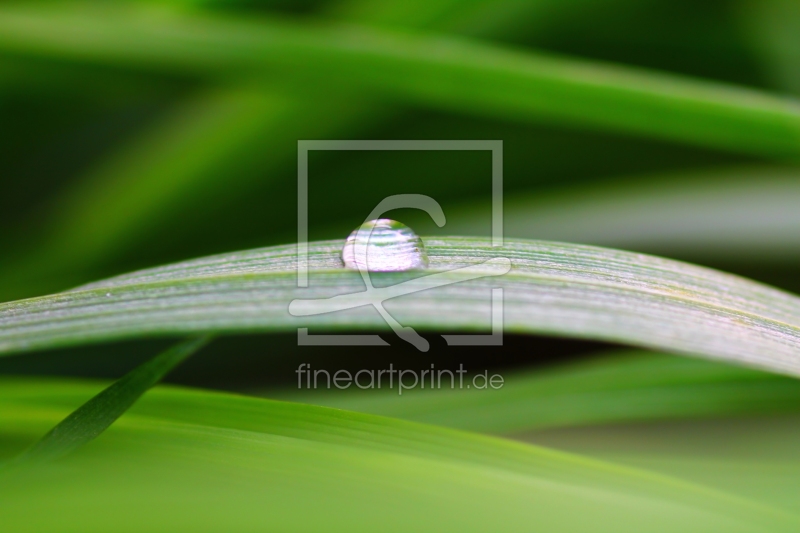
(386,245)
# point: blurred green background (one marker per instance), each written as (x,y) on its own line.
(139,133)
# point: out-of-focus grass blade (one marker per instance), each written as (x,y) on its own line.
(198,143)
(754,457)
(552,288)
(446,72)
(196,154)
(39,79)
(200,461)
(496,18)
(618,387)
(745,214)
(95,416)
(191,158)
(773,26)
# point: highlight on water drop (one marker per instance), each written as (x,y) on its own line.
(384,245)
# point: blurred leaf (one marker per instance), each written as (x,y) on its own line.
(200,154)
(95,416)
(617,387)
(446,72)
(773,26)
(748,214)
(38,78)
(187,159)
(563,289)
(754,457)
(200,461)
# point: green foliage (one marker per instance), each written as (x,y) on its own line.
(457,74)
(257,463)
(95,416)
(144,133)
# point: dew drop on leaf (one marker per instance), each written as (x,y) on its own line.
(386,246)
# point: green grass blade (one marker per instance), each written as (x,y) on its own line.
(619,387)
(446,72)
(553,288)
(205,461)
(95,416)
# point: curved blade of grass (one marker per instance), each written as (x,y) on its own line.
(618,387)
(95,416)
(446,72)
(552,288)
(205,461)
(746,214)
